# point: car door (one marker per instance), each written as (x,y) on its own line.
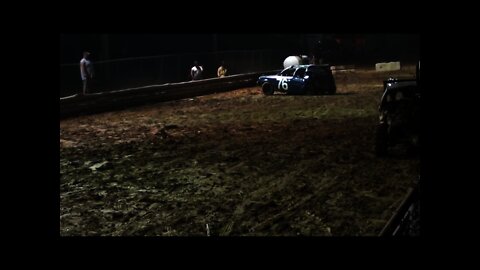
(296,85)
(284,78)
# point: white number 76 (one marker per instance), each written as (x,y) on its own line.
(283,84)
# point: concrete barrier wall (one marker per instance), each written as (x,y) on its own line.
(390,66)
(100,102)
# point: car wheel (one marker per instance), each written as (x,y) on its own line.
(381,140)
(267,89)
(330,91)
(315,87)
(310,90)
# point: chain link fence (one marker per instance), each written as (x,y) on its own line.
(140,71)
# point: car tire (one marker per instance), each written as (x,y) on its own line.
(315,88)
(381,140)
(330,91)
(310,90)
(267,89)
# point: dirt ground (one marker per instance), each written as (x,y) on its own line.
(234,164)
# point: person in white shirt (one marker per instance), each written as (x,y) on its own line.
(196,71)
(86,71)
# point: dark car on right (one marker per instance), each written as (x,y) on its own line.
(399,119)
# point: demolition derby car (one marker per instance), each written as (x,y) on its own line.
(299,80)
(399,117)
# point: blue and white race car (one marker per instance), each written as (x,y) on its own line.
(300,80)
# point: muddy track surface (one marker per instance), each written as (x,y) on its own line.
(243,163)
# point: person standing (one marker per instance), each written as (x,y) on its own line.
(86,71)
